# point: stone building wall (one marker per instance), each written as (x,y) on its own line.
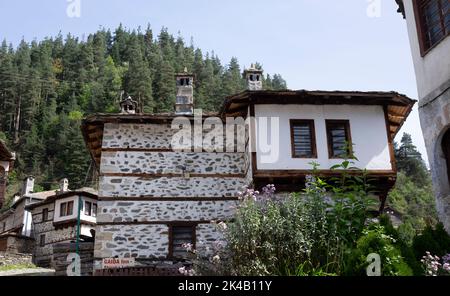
(145,187)
(434,112)
(42,255)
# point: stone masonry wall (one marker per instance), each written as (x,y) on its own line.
(144,189)
(170,187)
(434,114)
(145,211)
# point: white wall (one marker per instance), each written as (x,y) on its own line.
(367,126)
(5,165)
(83,217)
(434,68)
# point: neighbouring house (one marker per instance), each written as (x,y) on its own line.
(15,222)
(62,217)
(428,24)
(164,179)
(6,164)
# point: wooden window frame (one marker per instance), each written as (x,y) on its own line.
(86,207)
(310,122)
(193,227)
(71,208)
(63,213)
(421,30)
(328,124)
(44,215)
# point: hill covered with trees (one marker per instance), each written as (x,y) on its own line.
(48,86)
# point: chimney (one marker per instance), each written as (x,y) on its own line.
(128,106)
(185,93)
(16,198)
(253,77)
(63,185)
(28,186)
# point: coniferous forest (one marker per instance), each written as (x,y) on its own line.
(48,86)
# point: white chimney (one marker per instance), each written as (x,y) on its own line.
(184,103)
(28,186)
(63,185)
(253,76)
(16,198)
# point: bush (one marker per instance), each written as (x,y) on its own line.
(436,241)
(375,240)
(299,234)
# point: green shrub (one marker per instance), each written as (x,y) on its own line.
(375,240)
(436,241)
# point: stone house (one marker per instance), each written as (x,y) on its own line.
(164,179)
(428,24)
(15,222)
(55,221)
(6,165)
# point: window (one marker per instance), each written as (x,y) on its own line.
(181,235)
(66,209)
(433,22)
(4,227)
(339,138)
(303,139)
(42,240)
(44,215)
(87,208)
(94,210)
(69,208)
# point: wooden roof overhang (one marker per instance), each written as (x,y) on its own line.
(398,106)
(55,197)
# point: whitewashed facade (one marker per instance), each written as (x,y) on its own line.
(430,48)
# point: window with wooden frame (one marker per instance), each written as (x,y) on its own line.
(303,138)
(94,210)
(179,237)
(66,209)
(432,21)
(44,215)
(42,240)
(88,208)
(339,138)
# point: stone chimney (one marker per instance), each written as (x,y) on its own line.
(253,77)
(28,186)
(185,93)
(63,186)
(128,106)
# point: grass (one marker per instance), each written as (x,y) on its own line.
(16,266)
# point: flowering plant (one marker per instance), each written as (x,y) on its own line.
(433,266)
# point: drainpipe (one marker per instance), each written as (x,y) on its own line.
(80,201)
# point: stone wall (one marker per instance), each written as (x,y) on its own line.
(61,252)
(156,163)
(434,114)
(145,211)
(145,187)
(14,259)
(123,186)
(13,243)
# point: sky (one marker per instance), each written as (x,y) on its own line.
(314,44)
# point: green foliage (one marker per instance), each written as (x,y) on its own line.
(302,234)
(375,240)
(434,240)
(412,196)
(46,87)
